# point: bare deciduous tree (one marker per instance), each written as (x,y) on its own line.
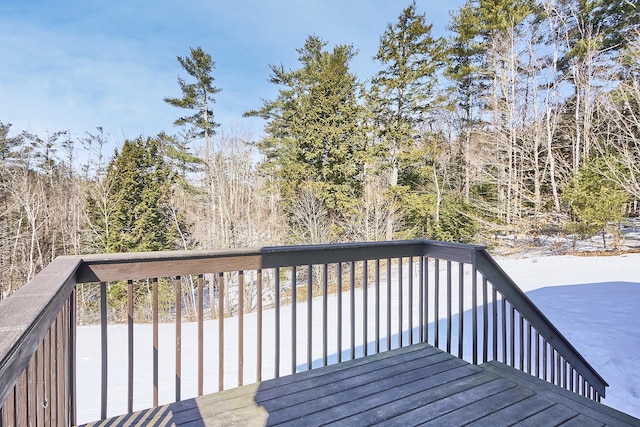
(619,131)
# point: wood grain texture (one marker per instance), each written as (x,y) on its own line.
(415,385)
(25,317)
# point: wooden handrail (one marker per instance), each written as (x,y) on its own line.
(155,264)
(490,269)
(142,265)
(28,315)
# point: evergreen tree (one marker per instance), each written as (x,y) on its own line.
(595,201)
(314,134)
(197,96)
(595,32)
(404,97)
(598,24)
(133,213)
(8,144)
(618,120)
(455,222)
(491,55)
(464,73)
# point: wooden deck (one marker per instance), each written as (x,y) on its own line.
(417,385)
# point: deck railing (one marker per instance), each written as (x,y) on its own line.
(261,313)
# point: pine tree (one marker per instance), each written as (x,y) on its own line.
(490,68)
(314,134)
(404,98)
(133,212)
(197,96)
(595,200)
(464,73)
(618,119)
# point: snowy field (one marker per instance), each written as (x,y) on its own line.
(593,301)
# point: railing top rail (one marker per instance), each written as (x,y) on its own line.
(125,266)
(459,252)
(121,257)
(490,269)
(281,256)
(26,316)
(386,244)
(143,265)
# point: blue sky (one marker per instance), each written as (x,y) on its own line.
(77,64)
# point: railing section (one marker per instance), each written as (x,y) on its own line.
(37,360)
(222,319)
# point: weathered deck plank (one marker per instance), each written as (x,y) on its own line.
(552,416)
(444,385)
(417,385)
(514,413)
(579,404)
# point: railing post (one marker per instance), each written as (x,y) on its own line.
(400,302)
(130,345)
(294,318)
(325,312)
(259,326)
(365,303)
(104,366)
(73,410)
(240,327)
(277,321)
(156,349)
(309,315)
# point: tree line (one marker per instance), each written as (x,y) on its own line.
(526,118)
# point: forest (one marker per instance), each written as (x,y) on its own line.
(524,120)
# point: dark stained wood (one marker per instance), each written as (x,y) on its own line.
(415,385)
(39,356)
(566,398)
(46,378)
(53,373)
(552,415)
(9,409)
(285,256)
(21,401)
(490,269)
(32,391)
(463,407)
(517,412)
(61,375)
(164,264)
(457,252)
(201,334)
(26,317)
(115,267)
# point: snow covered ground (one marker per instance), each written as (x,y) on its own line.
(593,301)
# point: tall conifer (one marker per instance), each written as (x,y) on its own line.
(197,96)
(406,97)
(314,135)
(137,197)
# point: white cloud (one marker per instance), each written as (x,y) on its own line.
(75,65)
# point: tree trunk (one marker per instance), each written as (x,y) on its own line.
(393,182)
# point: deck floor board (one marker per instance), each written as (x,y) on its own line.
(415,385)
